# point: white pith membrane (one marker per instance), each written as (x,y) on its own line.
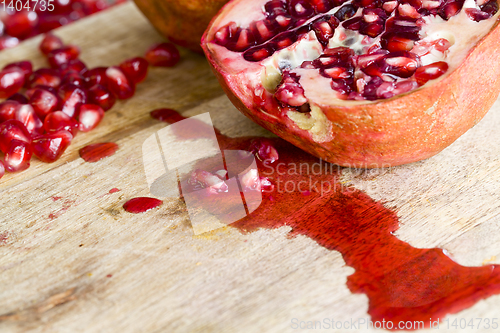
(252,78)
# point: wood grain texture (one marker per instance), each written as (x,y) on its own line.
(72,260)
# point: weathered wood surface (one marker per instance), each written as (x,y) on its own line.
(82,264)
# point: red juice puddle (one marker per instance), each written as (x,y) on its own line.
(114,190)
(402,283)
(141,205)
(97,151)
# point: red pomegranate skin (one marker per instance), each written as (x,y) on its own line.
(400,130)
(182,22)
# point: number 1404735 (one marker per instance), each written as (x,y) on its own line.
(28,5)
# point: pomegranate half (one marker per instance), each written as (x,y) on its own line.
(183,22)
(361,83)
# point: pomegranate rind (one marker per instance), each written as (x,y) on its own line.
(404,129)
(182,22)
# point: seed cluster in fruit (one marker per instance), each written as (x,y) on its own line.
(365,49)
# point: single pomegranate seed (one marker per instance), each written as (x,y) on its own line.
(12,130)
(8,110)
(2,169)
(200,179)
(74,78)
(119,84)
(290,92)
(20,98)
(21,24)
(26,67)
(322,6)
(18,156)
(264,150)
(101,96)
(396,43)
(11,81)
(27,116)
(97,151)
(45,77)
(450,8)
(50,43)
(7,42)
(345,12)
(49,147)
(75,65)
(59,120)
(430,72)
(63,55)
(300,9)
(135,68)
(164,55)
(89,116)
(166,115)
(96,76)
(44,102)
(72,97)
(477,15)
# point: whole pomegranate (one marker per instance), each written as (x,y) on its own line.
(183,22)
(364,83)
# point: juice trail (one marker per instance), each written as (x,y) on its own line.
(402,283)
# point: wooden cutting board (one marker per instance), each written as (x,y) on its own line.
(72,260)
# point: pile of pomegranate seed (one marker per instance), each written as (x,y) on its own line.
(22,22)
(47,107)
(369,49)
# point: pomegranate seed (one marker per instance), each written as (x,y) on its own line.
(27,116)
(290,92)
(45,77)
(89,116)
(72,97)
(430,72)
(201,179)
(8,110)
(12,130)
(164,55)
(101,96)
(18,156)
(21,24)
(75,65)
(119,84)
(44,102)
(396,43)
(63,55)
(20,98)
(166,115)
(135,68)
(477,15)
(2,169)
(300,9)
(50,43)
(49,147)
(7,42)
(59,120)
(74,78)
(264,150)
(96,76)
(11,80)
(26,67)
